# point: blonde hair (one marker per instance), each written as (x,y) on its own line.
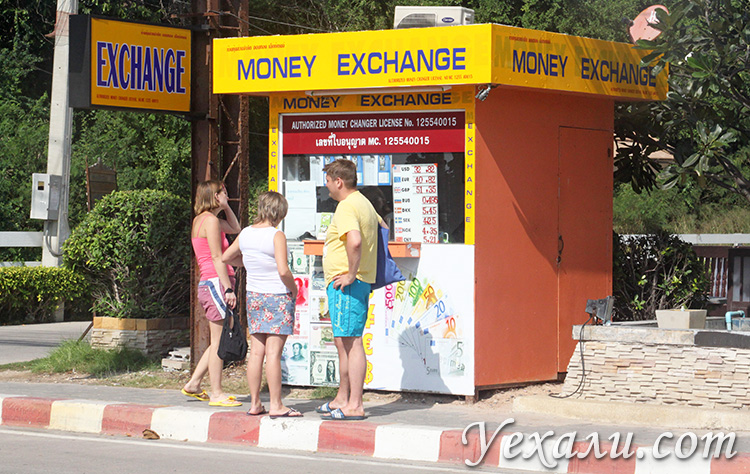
(205,195)
(344,169)
(272,208)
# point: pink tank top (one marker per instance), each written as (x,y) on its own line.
(203,255)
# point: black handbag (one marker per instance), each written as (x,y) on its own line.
(233,343)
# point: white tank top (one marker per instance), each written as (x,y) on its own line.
(256,245)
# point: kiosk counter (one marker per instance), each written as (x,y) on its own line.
(488,151)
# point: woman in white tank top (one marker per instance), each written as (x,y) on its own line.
(271,293)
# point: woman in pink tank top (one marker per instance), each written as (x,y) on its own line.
(216,287)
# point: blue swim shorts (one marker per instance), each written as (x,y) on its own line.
(348,308)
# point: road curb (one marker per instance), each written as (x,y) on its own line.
(392,441)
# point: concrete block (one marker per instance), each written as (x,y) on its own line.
(83,416)
(173,364)
(406,442)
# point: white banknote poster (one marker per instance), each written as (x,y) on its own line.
(419,335)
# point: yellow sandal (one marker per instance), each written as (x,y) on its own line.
(203,396)
(227,402)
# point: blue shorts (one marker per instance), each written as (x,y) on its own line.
(348,308)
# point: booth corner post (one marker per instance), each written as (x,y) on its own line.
(220,137)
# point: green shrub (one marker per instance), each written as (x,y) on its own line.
(32,294)
(135,249)
(655,271)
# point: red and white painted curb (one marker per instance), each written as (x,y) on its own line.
(365,438)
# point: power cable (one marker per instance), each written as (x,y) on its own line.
(266,19)
(288,24)
(583,368)
(48,240)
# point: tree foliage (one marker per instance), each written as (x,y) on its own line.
(600,19)
(23,147)
(657,271)
(25,49)
(704,122)
(688,209)
(148,151)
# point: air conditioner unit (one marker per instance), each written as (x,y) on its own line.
(422,17)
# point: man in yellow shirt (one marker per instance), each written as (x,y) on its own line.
(349,267)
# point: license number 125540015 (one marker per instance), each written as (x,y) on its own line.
(407,140)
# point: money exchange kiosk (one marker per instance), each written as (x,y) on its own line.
(488,151)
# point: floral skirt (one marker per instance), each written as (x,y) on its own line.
(269,313)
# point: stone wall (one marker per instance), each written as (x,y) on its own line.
(662,366)
(153,337)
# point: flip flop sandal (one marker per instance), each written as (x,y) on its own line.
(292,413)
(261,412)
(227,402)
(203,396)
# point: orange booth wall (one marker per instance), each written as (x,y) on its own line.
(543,190)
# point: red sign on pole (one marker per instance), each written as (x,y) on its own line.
(426,132)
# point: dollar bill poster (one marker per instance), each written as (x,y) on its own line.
(419,334)
(324,368)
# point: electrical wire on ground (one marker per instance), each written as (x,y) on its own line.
(583,368)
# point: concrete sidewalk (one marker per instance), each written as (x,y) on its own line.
(397,430)
(21,343)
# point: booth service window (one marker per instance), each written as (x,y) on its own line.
(410,165)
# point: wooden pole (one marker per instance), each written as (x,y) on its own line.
(220,137)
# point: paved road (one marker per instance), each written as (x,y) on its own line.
(33,341)
(29,452)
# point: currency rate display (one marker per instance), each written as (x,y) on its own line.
(415,203)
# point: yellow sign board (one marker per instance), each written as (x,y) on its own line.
(543,60)
(457,55)
(138,65)
(391,58)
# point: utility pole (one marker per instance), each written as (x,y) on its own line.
(58,149)
(220,136)
(60,125)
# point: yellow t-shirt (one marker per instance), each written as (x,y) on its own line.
(353,213)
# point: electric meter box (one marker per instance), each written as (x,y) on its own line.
(45,196)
